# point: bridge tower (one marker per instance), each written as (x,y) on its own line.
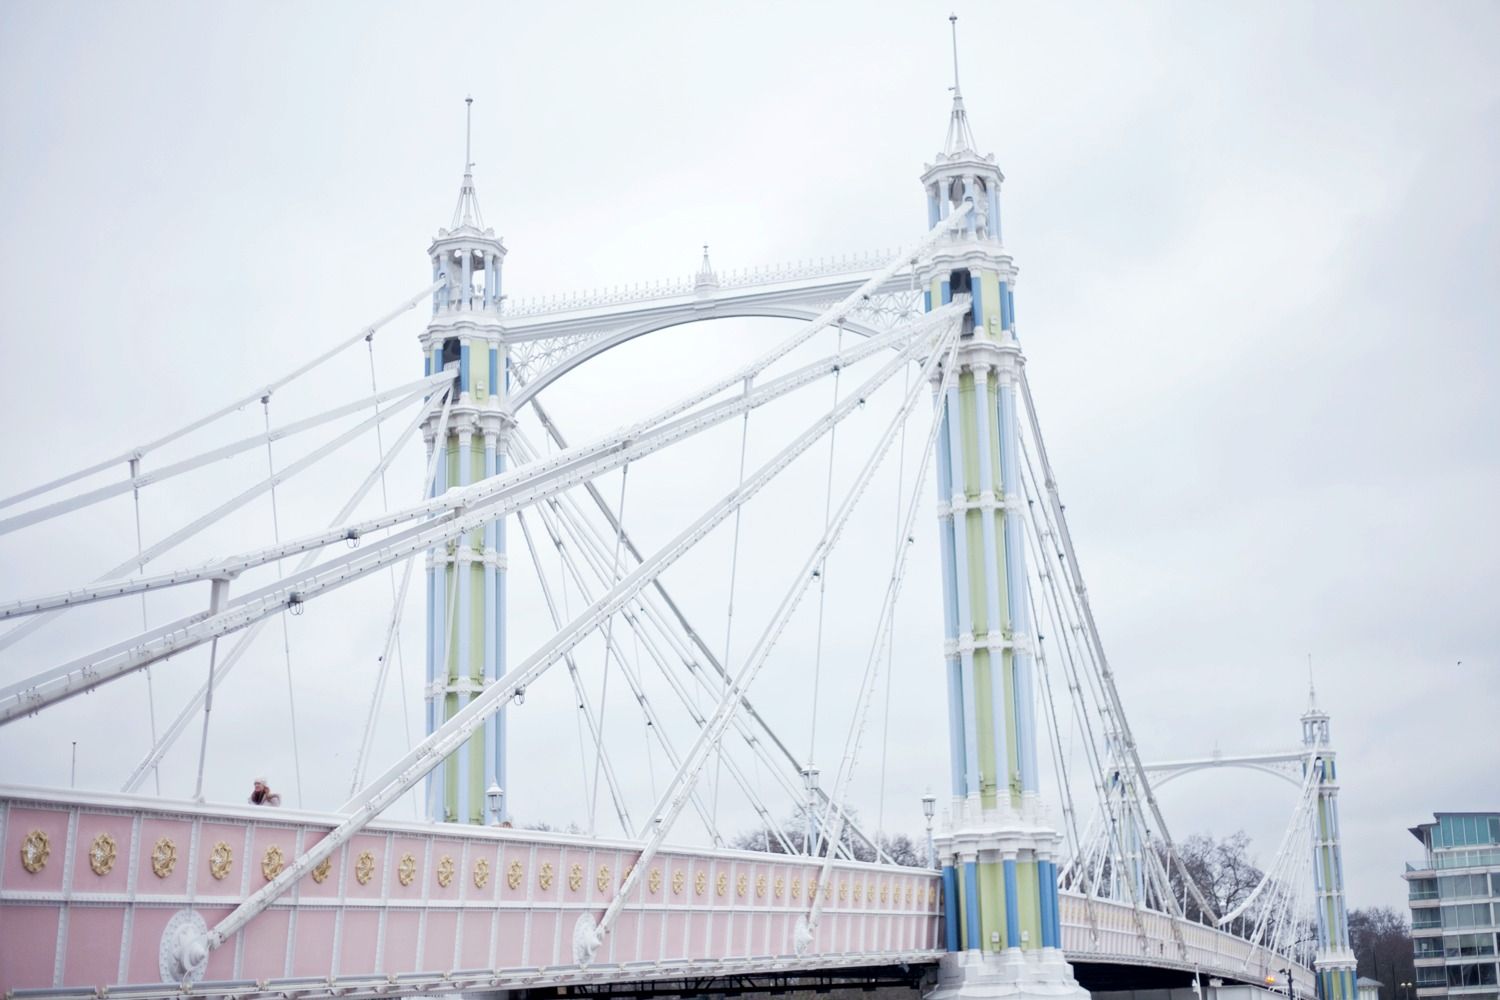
(1335,963)
(466,579)
(998,853)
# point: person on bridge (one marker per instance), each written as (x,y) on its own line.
(262,795)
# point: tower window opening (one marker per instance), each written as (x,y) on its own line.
(961,283)
(452,352)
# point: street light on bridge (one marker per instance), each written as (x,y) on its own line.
(929,806)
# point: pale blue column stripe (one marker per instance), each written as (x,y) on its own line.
(955,724)
(973,936)
(950,607)
(491,619)
(961,589)
(950,908)
(1020,610)
(495,389)
(994,213)
(1001,764)
(933,210)
(1012,907)
(498,720)
(435,636)
(1044,900)
(463,616)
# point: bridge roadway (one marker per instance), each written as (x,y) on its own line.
(89,882)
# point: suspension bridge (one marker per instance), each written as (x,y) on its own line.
(1033,886)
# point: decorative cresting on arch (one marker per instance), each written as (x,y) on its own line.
(596,346)
(545,345)
(1286,766)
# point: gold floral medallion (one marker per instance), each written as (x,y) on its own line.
(481,873)
(760,887)
(859,891)
(102,854)
(908,894)
(406,869)
(220,860)
(700,883)
(514,874)
(796,888)
(741,884)
(721,884)
(272,863)
(601,881)
(575,877)
(544,877)
(445,871)
(653,880)
(364,867)
(321,869)
(843,891)
(780,887)
(35,850)
(163,857)
(885,892)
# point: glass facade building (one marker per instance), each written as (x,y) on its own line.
(1454,894)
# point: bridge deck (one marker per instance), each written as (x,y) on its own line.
(409,907)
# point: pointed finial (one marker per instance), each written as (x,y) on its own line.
(1312,692)
(468,132)
(960,139)
(953,22)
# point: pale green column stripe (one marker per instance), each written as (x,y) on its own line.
(991,904)
(1030,904)
(984,713)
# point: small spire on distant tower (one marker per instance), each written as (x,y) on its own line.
(1312,692)
(960,138)
(466,212)
(705,279)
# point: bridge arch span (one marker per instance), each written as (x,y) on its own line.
(680,316)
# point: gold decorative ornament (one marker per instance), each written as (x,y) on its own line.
(406,869)
(700,883)
(908,894)
(843,891)
(679,879)
(364,867)
(859,891)
(625,875)
(544,877)
(601,881)
(272,863)
(102,854)
(812,889)
(220,860)
(163,857)
(575,877)
(445,871)
(721,883)
(780,887)
(653,881)
(321,870)
(514,874)
(885,892)
(760,886)
(796,888)
(740,884)
(35,850)
(481,873)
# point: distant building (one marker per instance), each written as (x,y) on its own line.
(1369,989)
(1455,906)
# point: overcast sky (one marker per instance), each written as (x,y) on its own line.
(1259,297)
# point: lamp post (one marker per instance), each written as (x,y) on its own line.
(810,782)
(495,798)
(929,806)
(1406,990)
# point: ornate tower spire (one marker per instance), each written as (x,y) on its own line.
(466,213)
(960,138)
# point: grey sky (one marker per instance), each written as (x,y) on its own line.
(1259,298)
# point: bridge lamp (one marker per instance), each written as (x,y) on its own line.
(929,807)
(495,798)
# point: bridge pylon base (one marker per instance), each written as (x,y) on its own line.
(1011,974)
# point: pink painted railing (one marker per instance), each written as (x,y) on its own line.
(89,883)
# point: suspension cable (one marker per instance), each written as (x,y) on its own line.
(821,572)
(286,638)
(890,639)
(734,561)
(385,506)
(135,468)
(609,625)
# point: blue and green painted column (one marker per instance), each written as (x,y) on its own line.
(1335,965)
(999,876)
(466,577)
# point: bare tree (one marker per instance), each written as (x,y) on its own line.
(1381,940)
